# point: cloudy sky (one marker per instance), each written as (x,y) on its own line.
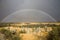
(51,7)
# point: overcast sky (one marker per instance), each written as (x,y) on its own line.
(52,7)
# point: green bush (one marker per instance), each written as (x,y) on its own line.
(9,35)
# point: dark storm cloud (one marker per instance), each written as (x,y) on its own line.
(52,7)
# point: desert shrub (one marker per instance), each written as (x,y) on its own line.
(9,35)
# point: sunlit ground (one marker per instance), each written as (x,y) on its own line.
(29,31)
